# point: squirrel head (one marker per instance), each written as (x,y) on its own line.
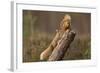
(66,22)
(67,18)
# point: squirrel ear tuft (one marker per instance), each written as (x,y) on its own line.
(67,16)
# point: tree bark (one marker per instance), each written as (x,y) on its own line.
(62,46)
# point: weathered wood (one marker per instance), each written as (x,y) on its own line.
(65,25)
(62,46)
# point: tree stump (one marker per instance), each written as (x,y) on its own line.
(62,46)
(61,41)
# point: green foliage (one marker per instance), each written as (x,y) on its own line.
(79,49)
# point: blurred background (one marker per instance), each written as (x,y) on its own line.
(39,28)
